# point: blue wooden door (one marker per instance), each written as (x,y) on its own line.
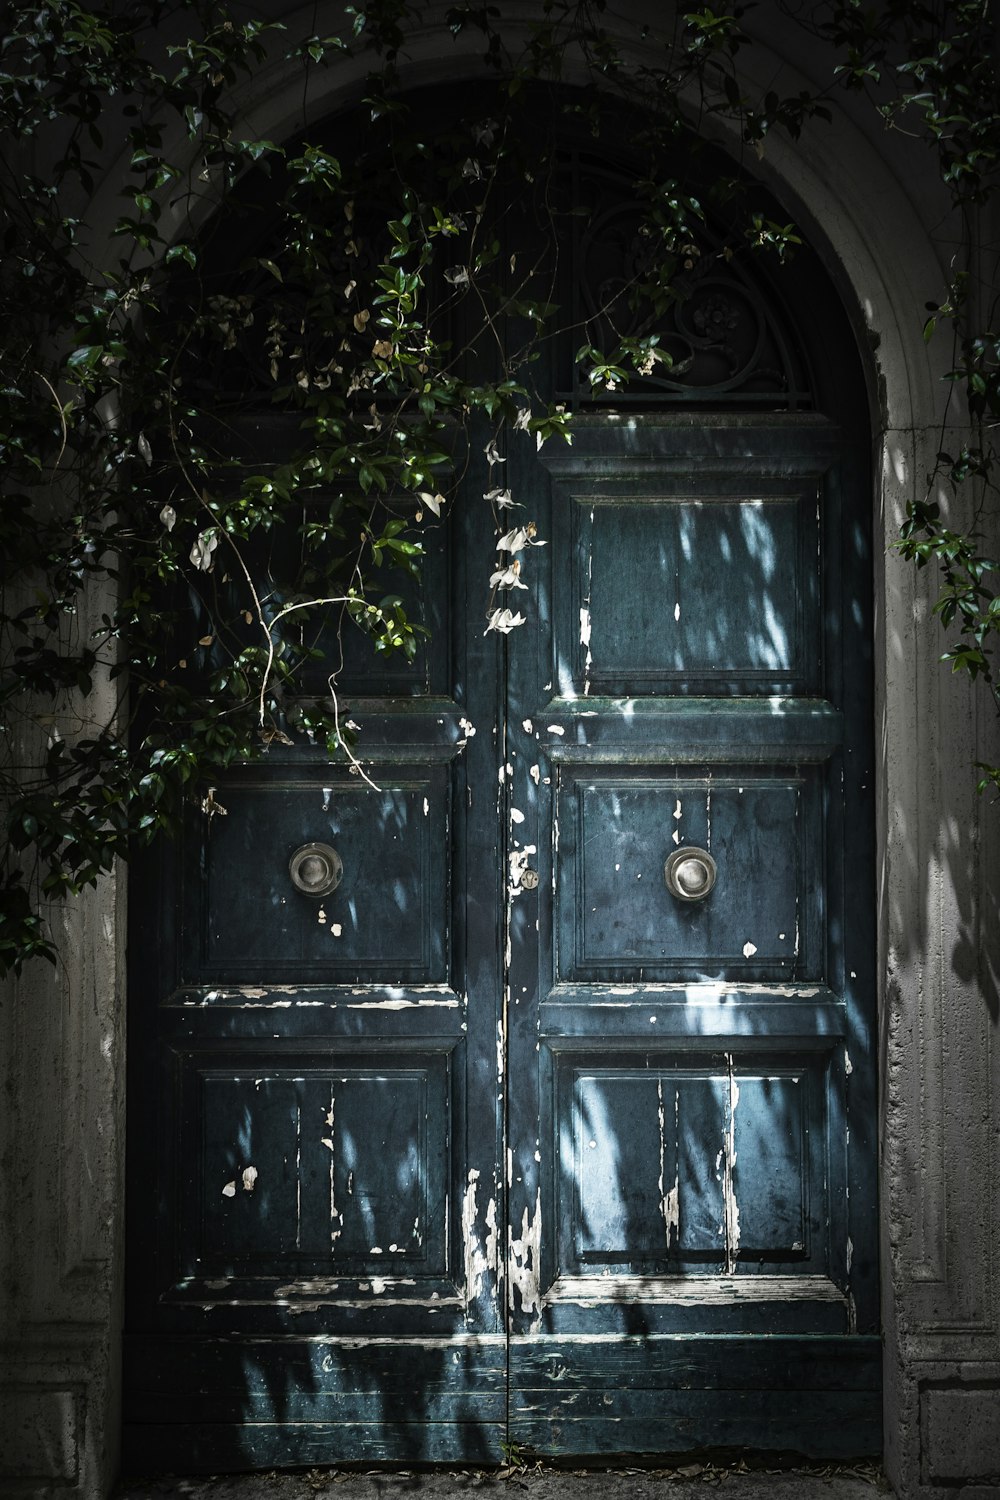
(692,1254)
(315,1217)
(503,1139)
(521,1088)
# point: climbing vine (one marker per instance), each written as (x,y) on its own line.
(226,435)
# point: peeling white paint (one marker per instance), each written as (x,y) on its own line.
(336,930)
(585,627)
(527,726)
(229,1191)
(676,836)
(678,814)
(850,1253)
(712,1291)
(523,1263)
(327,794)
(556,729)
(427,807)
(516,815)
(848,1065)
(450,1004)
(467,728)
(749,949)
(250,1175)
(677,610)
(535,773)
(732,1208)
(476,1256)
(669,1201)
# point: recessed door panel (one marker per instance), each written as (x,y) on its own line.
(385,919)
(616,915)
(693,1166)
(693,592)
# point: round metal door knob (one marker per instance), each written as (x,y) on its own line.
(316,869)
(690,874)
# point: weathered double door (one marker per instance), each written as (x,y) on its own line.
(508,1138)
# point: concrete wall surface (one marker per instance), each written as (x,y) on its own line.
(876,212)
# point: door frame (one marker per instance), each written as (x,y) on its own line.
(839,395)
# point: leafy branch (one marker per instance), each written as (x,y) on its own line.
(177,594)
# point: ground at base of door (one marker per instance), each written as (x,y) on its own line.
(742,1480)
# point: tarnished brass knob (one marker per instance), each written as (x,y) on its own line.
(690,874)
(316,869)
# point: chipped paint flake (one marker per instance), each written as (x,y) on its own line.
(516,815)
(527,726)
(848,1065)
(678,814)
(476,1255)
(556,729)
(677,610)
(535,773)
(523,1264)
(250,1175)
(229,1191)
(749,949)
(669,1201)
(732,1208)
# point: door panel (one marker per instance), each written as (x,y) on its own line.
(454,1156)
(615,831)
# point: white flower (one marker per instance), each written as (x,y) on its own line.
(521,536)
(457,275)
(500,498)
(432,502)
(508,578)
(504,621)
(493,454)
(168,517)
(522,419)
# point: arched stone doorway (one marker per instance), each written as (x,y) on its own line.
(529,1132)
